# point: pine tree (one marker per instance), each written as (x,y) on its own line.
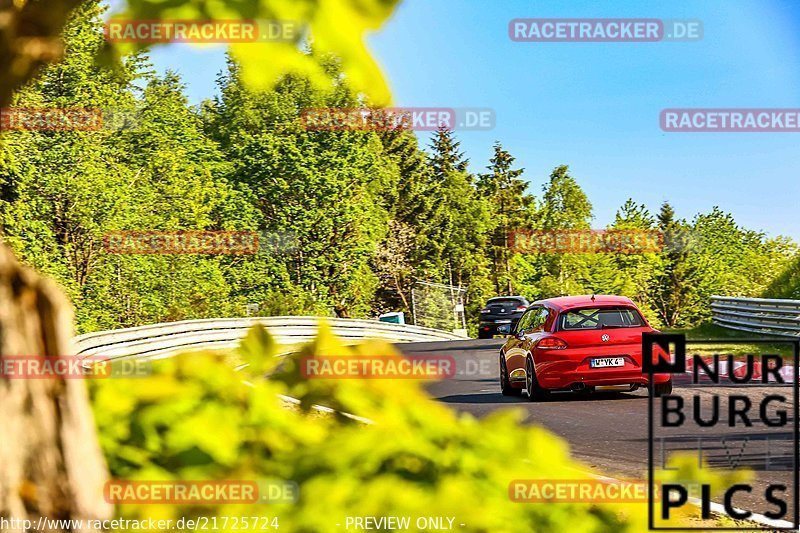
(511,207)
(674,286)
(459,225)
(564,207)
(404,256)
(446,159)
(629,272)
(564,204)
(460,219)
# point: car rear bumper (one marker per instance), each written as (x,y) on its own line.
(492,325)
(582,380)
(565,369)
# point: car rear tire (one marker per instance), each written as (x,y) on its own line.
(662,389)
(535,392)
(484,335)
(505,384)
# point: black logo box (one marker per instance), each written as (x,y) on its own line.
(678,365)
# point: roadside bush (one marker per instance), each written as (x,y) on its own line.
(787,284)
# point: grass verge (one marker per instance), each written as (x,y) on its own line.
(709,331)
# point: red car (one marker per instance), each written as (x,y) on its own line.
(577,343)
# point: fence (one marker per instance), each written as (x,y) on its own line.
(435,305)
(757,315)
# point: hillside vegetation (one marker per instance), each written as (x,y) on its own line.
(359,215)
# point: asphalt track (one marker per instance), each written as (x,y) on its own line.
(608,431)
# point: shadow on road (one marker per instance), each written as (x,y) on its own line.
(484,398)
(593,397)
(496,397)
(454,347)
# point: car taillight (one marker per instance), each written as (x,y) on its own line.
(551,343)
(520,308)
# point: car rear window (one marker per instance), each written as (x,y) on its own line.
(599,318)
(506,302)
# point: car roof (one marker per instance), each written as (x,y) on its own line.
(507,298)
(564,303)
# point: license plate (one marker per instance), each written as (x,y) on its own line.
(502,321)
(603,362)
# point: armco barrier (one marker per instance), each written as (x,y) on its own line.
(162,340)
(757,315)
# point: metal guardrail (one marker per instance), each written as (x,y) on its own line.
(757,315)
(163,340)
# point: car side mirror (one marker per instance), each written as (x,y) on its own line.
(505,329)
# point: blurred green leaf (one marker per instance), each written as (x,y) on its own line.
(257,349)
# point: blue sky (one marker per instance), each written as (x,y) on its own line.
(595,106)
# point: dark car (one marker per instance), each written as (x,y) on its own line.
(501,311)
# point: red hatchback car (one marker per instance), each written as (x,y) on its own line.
(577,343)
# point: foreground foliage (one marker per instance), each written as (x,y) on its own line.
(198,418)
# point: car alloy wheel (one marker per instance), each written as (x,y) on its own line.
(505,383)
(535,392)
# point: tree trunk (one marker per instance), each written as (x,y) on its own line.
(29,39)
(50,461)
(51,465)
